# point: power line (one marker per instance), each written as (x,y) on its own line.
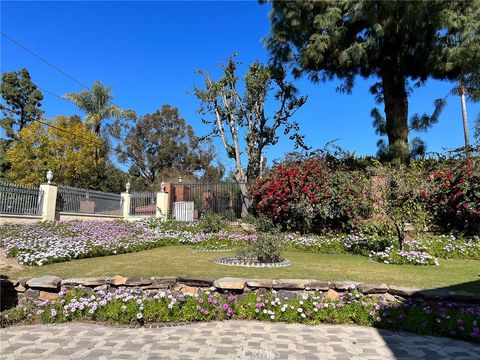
(42,59)
(48,63)
(73,134)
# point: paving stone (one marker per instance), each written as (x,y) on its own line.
(403,291)
(260,283)
(117,280)
(317,285)
(44,282)
(85,281)
(241,340)
(197,282)
(289,284)
(371,288)
(230,283)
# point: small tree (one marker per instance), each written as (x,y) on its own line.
(235,113)
(67,148)
(402,200)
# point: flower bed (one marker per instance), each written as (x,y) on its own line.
(136,306)
(44,243)
(400,257)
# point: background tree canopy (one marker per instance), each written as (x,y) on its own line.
(67,148)
(162,146)
(394,41)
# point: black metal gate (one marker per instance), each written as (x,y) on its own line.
(191,202)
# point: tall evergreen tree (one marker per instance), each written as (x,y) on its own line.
(21,102)
(397,42)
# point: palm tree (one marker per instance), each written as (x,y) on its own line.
(98,106)
(469,86)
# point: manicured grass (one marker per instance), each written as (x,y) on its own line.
(179,260)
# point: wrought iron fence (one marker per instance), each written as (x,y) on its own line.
(20,199)
(83,201)
(143,203)
(194,201)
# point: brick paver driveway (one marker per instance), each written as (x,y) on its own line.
(225,340)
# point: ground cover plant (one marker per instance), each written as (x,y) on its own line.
(135,306)
(48,242)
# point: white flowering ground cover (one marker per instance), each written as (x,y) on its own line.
(44,243)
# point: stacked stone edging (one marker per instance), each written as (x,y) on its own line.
(47,288)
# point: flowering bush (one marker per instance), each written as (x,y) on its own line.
(130,306)
(454,197)
(312,194)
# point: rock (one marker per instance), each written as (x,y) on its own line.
(198,282)
(20,288)
(317,285)
(103,287)
(44,282)
(166,282)
(331,295)
(291,284)
(117,280)
(282,294)
(31,294)
(385,298)
(464,296)
(435,294)
(185,289)
(370,288)
(85,281)
(138,281)
(23,281)
(343,285)
(229,283)
(46,295)
(404,292)
(260,283)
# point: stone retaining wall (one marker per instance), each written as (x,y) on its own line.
(13,292)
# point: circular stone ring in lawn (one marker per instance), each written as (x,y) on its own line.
(211,250)
(233,261)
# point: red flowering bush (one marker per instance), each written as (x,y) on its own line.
(312,194)
(454,196)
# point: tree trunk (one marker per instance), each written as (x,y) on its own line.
(396,111)
(400,236)
(466,134)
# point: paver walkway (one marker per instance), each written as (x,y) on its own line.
(225,340)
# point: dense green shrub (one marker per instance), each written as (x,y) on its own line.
(211,223)
(267,248)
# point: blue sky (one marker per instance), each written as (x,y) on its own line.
(148,51)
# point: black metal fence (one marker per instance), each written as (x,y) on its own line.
(143,203)
(192,202)
(20,199)
(83,201)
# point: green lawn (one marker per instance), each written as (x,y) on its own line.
(179,260)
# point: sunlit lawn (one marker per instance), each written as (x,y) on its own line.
(179,260)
